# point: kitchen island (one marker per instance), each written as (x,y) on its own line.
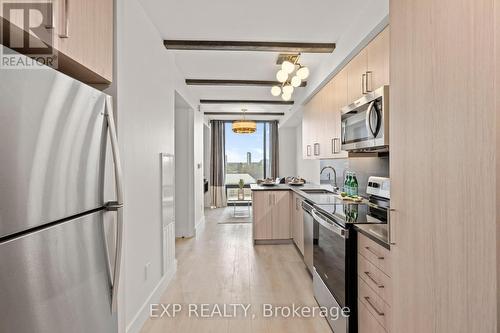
(277,213)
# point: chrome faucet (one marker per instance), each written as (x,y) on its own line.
(334,175)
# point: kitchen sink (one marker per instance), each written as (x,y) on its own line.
(317,191)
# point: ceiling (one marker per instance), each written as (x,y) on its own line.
(259,20)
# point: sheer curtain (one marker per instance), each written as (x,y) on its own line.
(274,148)
(218,164)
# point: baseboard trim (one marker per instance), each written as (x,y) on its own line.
(200,223)
(272,241)
(142,315)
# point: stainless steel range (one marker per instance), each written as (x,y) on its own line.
(334,249)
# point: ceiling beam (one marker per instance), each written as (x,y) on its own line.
(206,45)
(247,114)
(244,101)
(234,83)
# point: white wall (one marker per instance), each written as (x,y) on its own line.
(287,152)
(146,78)
(184,169)
(206,160)
(189,208)
(307,169)
(199,204)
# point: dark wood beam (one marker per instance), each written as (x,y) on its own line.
(244,101)
(206,45)
(234,83)
(246,114)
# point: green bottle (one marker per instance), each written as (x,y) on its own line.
(347,184)
(354,184)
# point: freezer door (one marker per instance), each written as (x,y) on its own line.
(52,148)
(56,280)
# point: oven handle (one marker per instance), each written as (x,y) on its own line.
(330,226)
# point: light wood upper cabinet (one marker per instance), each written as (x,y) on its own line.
(369,69)
(79,31)
(356,76)
(321,127)
(307,127)
(335,99)
(377,53)
(90,38)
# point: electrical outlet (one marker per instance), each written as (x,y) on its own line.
(146,271)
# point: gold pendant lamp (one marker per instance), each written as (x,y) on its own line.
(244,126)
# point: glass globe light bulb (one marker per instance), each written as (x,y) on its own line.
(282,76)
(276,90)
(303,73)
(288,66)
(296,81)
(286,97)
(288,89)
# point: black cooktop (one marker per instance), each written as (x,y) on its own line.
(351,213)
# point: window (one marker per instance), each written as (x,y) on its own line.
(247,157)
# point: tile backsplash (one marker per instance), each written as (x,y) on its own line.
(364,167)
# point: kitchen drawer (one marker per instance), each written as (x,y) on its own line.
(367,322)
(379,309)
(375,278)
(375,253)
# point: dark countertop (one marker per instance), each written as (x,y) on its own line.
(376,232)
(286,187)
(379,233)
(299,190)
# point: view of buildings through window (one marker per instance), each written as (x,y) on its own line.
(247,155)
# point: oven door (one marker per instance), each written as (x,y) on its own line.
(330,256)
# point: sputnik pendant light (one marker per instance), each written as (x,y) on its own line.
(244,126)
(288,79)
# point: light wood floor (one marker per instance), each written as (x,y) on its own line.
(221,265)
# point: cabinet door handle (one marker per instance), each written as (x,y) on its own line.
(316,151)
(50,23)
(335,146)
(65,33)
(369,74)
(368,275)
(308,149)
(369,249)
(367,299)
(363,84)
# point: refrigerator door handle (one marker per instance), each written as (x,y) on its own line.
(115,205)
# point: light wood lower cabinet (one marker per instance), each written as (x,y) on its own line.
(374,287)
(367,322)
(271,215)
(297,222)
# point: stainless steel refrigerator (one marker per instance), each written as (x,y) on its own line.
(60,205)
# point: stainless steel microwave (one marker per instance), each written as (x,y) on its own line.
(365,123)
